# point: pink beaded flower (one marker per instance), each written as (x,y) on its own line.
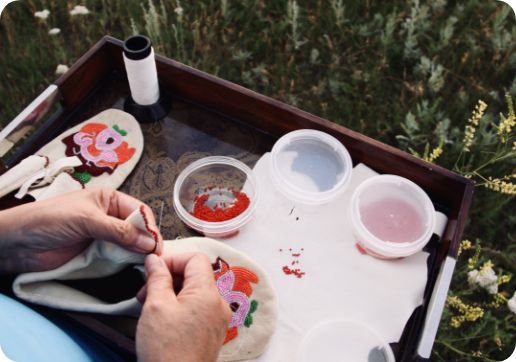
(100,148)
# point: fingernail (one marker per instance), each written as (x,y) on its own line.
(145,244)
(152,263)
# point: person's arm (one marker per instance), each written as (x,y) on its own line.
(45,234)
(189,326)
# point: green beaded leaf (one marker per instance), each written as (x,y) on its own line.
(119,130)
(248,320)
(84,177)
(253,307)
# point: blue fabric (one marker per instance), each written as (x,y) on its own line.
(28,336)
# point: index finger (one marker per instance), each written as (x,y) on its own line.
(196,268)
(121,205)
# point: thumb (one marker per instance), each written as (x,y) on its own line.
(159,279)
(122,233)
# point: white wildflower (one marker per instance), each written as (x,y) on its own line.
(79,10)
(485,278)
(54,31)
(511,303)
(43,14)
(61,69)
(178,11)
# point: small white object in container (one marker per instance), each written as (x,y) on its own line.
(218,180)
(310,167)
(343,340)
(392,217)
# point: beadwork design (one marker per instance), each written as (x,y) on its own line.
(234,285)
(147,226)
(78,179)
(100,148)
(83,177)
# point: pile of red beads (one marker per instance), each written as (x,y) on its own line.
(221,211)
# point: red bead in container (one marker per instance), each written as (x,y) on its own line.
(216,196)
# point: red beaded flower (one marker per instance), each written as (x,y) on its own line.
(100,148)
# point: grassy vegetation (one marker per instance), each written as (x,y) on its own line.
(408,73)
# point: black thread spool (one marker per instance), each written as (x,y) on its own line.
(147,102)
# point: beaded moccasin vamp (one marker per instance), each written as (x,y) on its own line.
(248,290)
(101,151)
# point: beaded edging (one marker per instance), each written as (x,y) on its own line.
(148,228)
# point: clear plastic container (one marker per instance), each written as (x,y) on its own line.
(310,167)
(391,216)
(343,340)
(217,179)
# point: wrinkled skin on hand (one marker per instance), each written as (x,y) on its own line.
(45,234)
(188,326)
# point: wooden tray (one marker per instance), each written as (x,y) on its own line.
(211,116)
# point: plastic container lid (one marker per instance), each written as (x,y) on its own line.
(310,167)
(344,340)
(392,187)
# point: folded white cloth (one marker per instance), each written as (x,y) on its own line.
(19,174)
(100,259)
(319,274)
(48,174)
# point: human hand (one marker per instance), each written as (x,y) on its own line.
(45,234)
(190,326)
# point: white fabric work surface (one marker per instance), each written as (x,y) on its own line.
(339,282)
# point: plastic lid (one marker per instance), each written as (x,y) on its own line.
(310,166)
(344,340)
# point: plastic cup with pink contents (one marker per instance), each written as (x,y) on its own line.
(391,216)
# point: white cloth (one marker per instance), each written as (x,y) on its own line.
(100,259)
(19,174)
(48,174)
(340,282)
(62,184)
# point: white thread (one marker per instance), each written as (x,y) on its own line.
(143,79)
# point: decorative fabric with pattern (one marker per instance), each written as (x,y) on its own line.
(100,148)
(234,285)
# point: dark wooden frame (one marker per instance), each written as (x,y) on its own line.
(449,191)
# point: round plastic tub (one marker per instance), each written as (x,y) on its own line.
(310,167)
(218,180)
(343,340)
(391,216)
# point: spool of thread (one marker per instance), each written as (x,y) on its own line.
(140,66)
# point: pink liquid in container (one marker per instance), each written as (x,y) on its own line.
(391,217)
(393,220)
